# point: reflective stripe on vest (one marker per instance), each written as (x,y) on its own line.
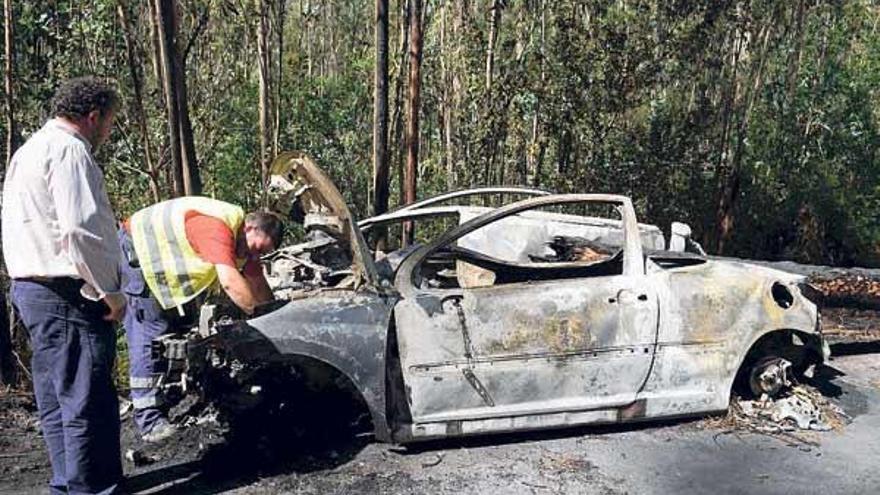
(144,382)
(154,400)
(173,271)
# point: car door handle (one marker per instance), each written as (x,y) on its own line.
(627,296)
(456,298)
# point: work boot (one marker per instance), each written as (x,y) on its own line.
(162,430)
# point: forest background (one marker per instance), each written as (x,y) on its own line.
(753,121)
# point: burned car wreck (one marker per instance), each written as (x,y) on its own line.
(518,317)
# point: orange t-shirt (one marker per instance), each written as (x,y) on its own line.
(212,240)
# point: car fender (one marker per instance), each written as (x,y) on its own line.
(347,330)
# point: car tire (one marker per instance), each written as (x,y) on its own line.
(770,375)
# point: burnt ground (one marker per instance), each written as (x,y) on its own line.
(693,456)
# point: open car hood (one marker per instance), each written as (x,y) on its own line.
(299,188)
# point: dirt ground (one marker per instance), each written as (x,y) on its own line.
(694,456)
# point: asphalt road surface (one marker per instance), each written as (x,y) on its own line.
(688,457)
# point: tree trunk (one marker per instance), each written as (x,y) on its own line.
(733,181)
(137,83)
(451,86)
(165,30)
(306,8)
(397,119)
(794,68)
(163,167)
(536,152)
(7,365)
(458,146)
(192,181)
(265,91)
(156,40)
(412,127)
(280,16)
(380,112)
(9,34)
(490,142)
(185,173)
(8,375)
(729,98)
(494,21)
(323,51)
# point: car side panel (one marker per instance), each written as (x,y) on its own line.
(526,348)
(711,314)
(345,329)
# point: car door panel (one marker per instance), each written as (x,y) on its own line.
(432,355)
(527,348)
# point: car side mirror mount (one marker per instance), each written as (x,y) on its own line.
(680,239)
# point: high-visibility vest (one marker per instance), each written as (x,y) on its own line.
(172,270)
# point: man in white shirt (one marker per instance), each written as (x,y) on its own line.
(61,251)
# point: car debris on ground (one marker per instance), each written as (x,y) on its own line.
(139,458)
(795,416)
(803,408)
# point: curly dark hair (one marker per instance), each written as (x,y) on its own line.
(78,97)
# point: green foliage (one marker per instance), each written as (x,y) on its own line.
(120,372)
(330,119)
(669,102)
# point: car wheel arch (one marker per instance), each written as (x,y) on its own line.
(366,395)
(761,345)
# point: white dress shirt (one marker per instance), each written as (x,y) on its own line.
(57,220)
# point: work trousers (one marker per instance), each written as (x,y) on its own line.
(73,353)
(144,321)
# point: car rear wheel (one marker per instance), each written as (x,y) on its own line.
(770,375)
(775,363)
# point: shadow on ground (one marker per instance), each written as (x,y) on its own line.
(853,348)
(310,434)
(263,447)
(825,381)
(243,462)
(244,457)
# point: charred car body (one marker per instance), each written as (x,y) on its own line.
(487,328)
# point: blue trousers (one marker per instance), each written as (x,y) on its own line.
(73,354)
(144,321)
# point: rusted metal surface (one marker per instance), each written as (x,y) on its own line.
(296,178)
(638,335)
(671,338)
(711,315)
(537,347)
(345,329)
(533,353)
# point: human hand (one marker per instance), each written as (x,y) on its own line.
(116,303)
